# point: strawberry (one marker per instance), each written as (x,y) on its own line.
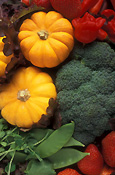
(91,164)
(107,170)
(68,171)
(108,149)
(68,8)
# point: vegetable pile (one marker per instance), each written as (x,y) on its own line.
(57,87)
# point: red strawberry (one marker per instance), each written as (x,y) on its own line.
(107,170)
(91,164)
(108,149)
(68,171)
(68,8)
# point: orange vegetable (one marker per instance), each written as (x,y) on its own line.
(46,39)
(26,97)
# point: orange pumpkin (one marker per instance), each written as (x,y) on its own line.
(46,39)
(4,60)
(26,97)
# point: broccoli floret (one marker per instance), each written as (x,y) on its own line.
(86,96)
(95,55)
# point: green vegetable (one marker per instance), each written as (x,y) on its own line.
(55,141)
(40,168)
(86,90)
(66,157)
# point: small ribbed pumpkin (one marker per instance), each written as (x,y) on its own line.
(26,97)
(4,60)
(46,39)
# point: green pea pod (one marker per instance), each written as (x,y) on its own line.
(40,168)
(73,142)
(55,141)
(66,157)
(39,134)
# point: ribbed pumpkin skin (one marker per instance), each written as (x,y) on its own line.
(26,113)
(4,60)
(51,51)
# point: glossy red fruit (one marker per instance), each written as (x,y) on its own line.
(107,170)
(26,2)
(108,149)
(93,163)
(68,8)
(68,171)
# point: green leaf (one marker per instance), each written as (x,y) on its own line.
(73,142)
(4,144)
(40,168)
(66,157)
(13,167)
(2,134)
(2,149)
(18,158)
(55,141)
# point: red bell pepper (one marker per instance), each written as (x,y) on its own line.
(109,26)
(102,35)
(26,2)
(97,7)
(43,3)
(87,27)
(86,5)
(113,3)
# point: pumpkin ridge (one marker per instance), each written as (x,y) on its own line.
(56,51)
(51,17)
(28,25)
(25,118)
(30,105)
(38,22)
(14,111)
(53,51)
(41,91)
(61,28)
(39,50)
(55,22)
(58,39)
(26,49)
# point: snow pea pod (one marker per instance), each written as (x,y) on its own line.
(73,142)
(39,134)
(55,141)
(66,157)
(40,168)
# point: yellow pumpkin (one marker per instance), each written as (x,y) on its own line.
(26,97)
(4,60)
(46,39)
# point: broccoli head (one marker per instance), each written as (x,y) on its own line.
(86,92)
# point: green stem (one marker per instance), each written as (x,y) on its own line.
(10,164)
(41,139)
(8,134)
(6,152)
(38,157)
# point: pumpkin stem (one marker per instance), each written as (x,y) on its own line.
(43,34)
(23,95)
